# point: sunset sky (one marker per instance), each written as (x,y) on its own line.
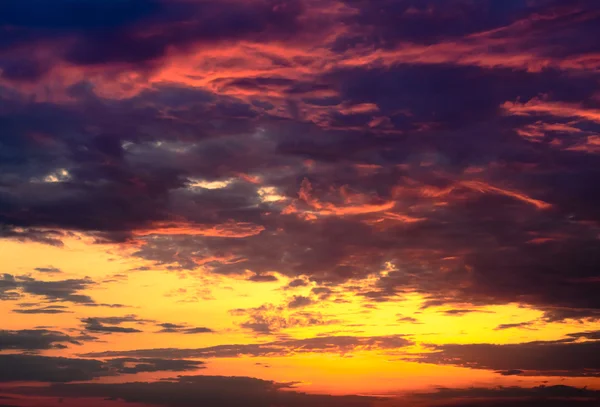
(291,203)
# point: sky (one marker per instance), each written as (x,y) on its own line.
(282,203)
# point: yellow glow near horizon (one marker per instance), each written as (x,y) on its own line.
(183,298)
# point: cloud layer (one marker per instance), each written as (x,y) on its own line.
(344,151)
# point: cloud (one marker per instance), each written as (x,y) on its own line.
(369,149)
(173,25)
(299,302)
(138,365)
(50,309)
(247,391)
(410,320)
(557,109)
(231,229)
(184,329)
(117,320)
(263,278)
(270,319)
(114,324)
(49,270)
(592,335)
(33,368)
(45,236)
(206,390)
(330,344)
(298,282)
(8,286)
(64,290)
(501,396)
(460,312)
(15,287)
(17,368)
(447,151)
(34,339)
(97,325)
(513,372)
(61,290)
(515,325)
(543,358)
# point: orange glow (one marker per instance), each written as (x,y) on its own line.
(231,229)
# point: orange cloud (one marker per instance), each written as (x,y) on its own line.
(354,203)
(537,131)
(487,188)
(590,145)
(230,229)
(558,109)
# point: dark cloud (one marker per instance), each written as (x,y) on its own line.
(114,325)
(443,148)
(15,287)
(421,139)
(138,365)
(270,319)
(49,237)
(34,339)
(197,330)
(17,368)
(104,34)
(578,314)
(219,391)
(191,23)
(72,15)
(558,358)
(117,320)
(107,305)
(528,402)
(513,372)
(64,290)
(300,301)
(298,282)
(385,23)
(592,335)
(334,344)
(49,270)
(60,290)
(208,391)
(8,287)
(50,309)
(184,329)
(460,312)
(33,368)
(98,326)
(263,278)
(515,325)
(510,396)
(410,320)
(322,292)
